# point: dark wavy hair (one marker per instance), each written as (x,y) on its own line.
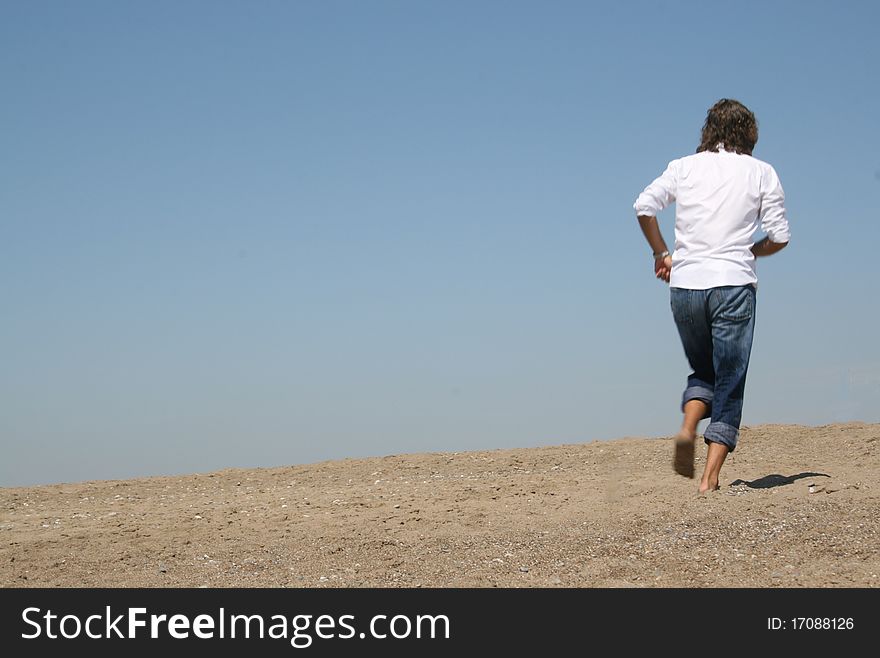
(730,124)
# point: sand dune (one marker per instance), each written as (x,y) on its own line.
(798,508)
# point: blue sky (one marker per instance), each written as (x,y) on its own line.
(241,234)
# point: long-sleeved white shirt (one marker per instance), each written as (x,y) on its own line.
(722,199)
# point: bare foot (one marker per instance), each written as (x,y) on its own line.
(683,462)
(705,488)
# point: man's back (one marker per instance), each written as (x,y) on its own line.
(722,199)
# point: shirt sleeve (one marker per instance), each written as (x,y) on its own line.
(659,194)
(773,221)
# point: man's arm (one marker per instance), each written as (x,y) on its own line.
(767,247)
(657,196)
(773,221)
(662,259)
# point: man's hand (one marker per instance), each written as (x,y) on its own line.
(662,268)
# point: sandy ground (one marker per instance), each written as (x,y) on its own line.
(799,507)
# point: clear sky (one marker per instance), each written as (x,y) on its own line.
(238,234)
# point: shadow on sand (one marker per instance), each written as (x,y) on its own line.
(776,480)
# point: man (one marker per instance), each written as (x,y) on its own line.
(723,196)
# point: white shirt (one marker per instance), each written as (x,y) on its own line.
(722,199)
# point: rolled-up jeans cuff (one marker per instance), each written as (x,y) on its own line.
(718,432)
(700,393)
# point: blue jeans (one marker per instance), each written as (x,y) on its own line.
(716,328)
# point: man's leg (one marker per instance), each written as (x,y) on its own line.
(694,412)
(715,457)
(732,311)
(692,321)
